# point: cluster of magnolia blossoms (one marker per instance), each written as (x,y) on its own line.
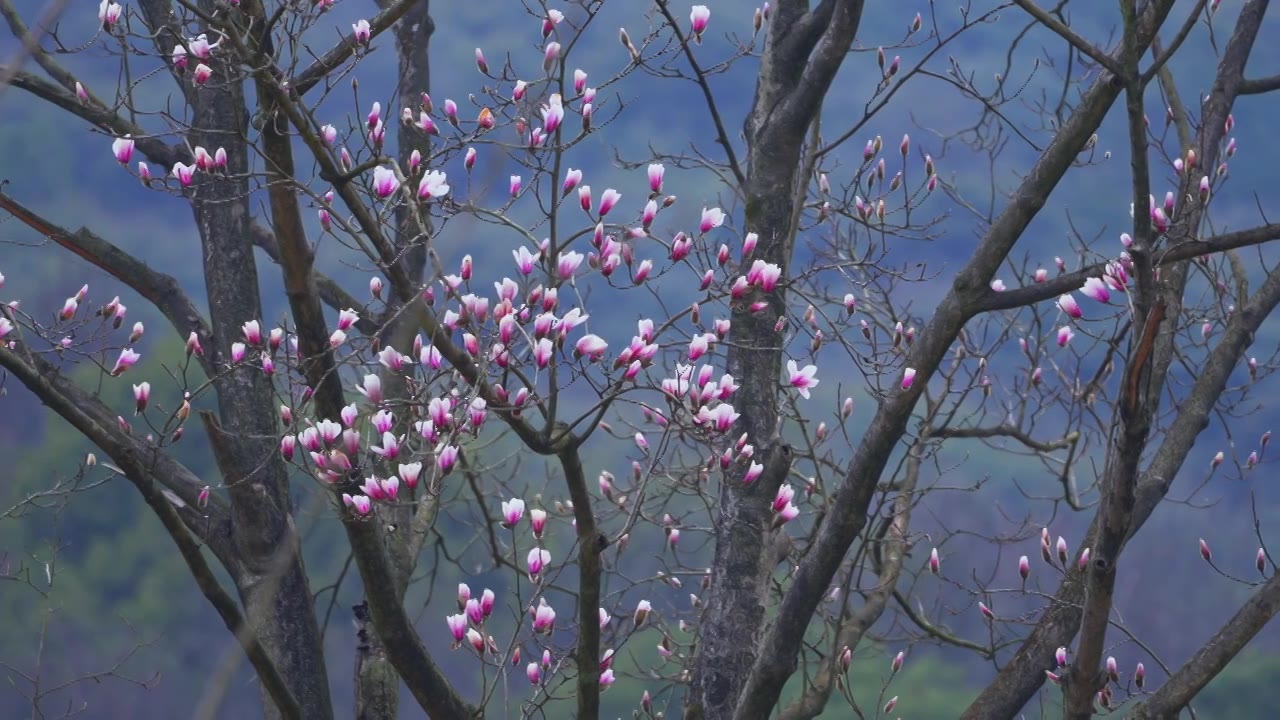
(467,627)
(71,316)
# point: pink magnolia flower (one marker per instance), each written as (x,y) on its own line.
(372,388)
(1024,567)
(361,32)
(457,626)
(539,558)
(656,172)
(109,12)
(908,377)
(512,511)
(122,148)
(126,360)
(360,503)
(606,677)
(722,417)
(538,521)
(935,564)
(542,352)
(347,318)
(184,173)
(698,19)
(711,218)
(802,379)
(1204,551)
(697,347)
(515,185)
(608,199)
(525,260)
(1070,306)
(433,185)
(472,609)
(446,458)
(533,671)
(567,264)
(1064,335)
(476,640)
(201,74)
(550,54)
(252,332)
(384,181)
(409,473)
(571,179)
(592,346)
(390,447)
(141,394)
(476,412)
(753,472)
(1096,289)
(643,608)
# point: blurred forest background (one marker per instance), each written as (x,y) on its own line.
(121,598)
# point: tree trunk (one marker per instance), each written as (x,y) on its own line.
(273,584)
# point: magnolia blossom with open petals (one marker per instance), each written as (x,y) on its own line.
(185,173)
(539,558)
(126,360)
(512,511)
(361,31)
(567,264)
(372,388)
(201,74)
(592,346)
(433,185)
(109,12)
(711,218)
(802,379)
(1096,289)
(457,626)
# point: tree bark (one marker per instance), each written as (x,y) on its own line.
(275,590)
(803,53)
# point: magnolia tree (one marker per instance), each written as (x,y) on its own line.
(759,386)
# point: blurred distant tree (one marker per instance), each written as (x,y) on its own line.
(787,509)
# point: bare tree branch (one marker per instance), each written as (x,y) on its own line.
(160,289)
(1096,54)
(1212,658)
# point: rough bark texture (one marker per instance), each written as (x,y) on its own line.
(804,51)
(274,588)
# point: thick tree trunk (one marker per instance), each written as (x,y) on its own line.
(273,585)
(377,684)
(803,53)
